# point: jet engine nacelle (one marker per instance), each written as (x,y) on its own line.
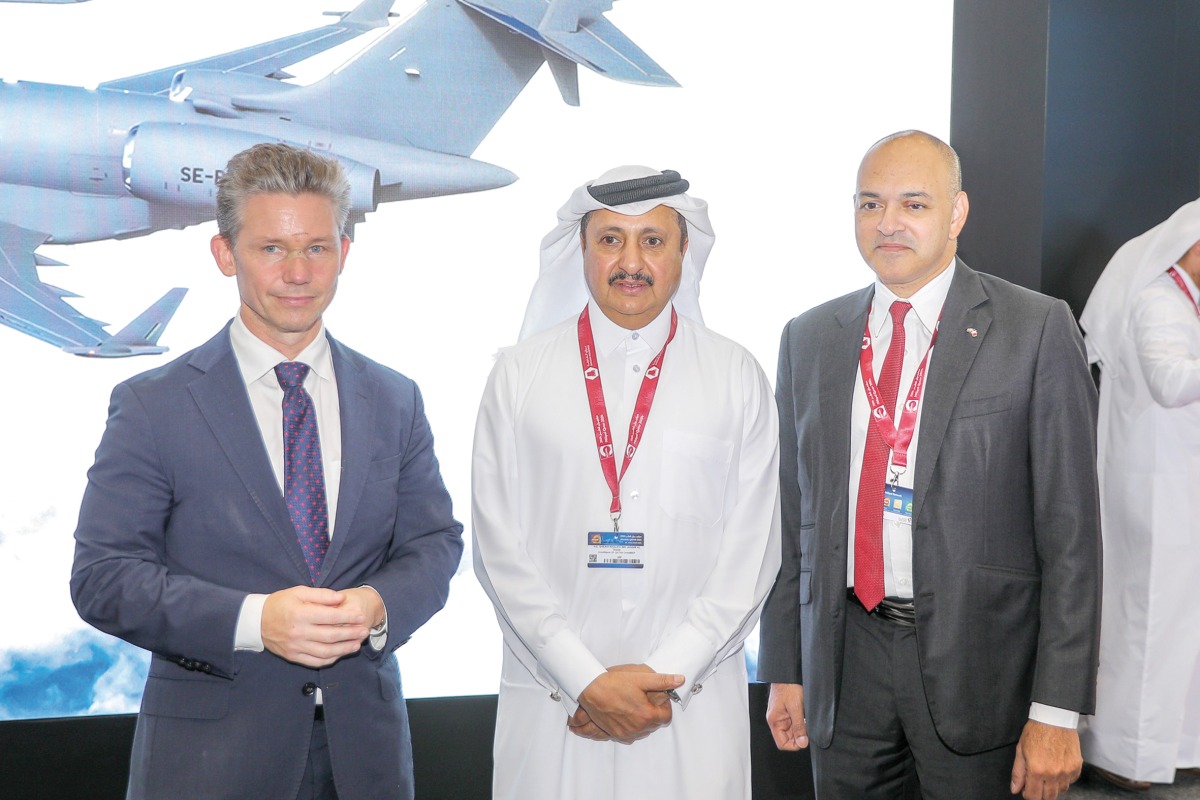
(180,164)
(211,91)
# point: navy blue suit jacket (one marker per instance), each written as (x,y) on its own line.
(183,517)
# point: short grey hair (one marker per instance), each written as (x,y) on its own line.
(278,168)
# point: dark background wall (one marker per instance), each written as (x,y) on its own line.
(452,754)
(1078,123)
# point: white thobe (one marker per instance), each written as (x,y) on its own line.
(1147,720)
(703,488)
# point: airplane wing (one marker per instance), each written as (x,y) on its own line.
(268,59)
(38,309)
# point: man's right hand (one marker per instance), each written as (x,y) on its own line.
(785,716)
(622,701)
(312,627)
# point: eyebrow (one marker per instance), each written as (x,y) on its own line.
(641,232)
(876,195)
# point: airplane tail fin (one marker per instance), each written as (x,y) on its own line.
(149,325)
(443,78)
(139,337)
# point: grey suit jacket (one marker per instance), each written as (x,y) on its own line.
(1006,526)
(182,518)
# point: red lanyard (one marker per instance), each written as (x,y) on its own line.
(1175,276)
(641,409)
(897,441)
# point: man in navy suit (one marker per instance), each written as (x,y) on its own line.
(266,516)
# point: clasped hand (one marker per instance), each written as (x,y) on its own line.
(316,627)
(624,704)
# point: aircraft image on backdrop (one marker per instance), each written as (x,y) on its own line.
(143,154)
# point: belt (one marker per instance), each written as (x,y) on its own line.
(901,612)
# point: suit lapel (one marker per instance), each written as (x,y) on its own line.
(220,394)
(356,400)
(966,309)
(839,370)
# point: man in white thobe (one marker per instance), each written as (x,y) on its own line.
(1143,329)
(627,562)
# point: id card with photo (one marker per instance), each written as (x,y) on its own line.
(615,550)
(897,504)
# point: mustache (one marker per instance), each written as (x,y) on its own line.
(640,276)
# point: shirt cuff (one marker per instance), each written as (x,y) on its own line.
(569,665)
(378,635)
(684,652)
(248,635)
(1050,715)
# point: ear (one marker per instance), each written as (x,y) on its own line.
(223,255)
(345,251)
(958,214)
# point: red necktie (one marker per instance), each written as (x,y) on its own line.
(303,471)
(868,515)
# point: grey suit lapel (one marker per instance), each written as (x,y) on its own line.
(220,394)
(839,370)
(356,401)
(966,309)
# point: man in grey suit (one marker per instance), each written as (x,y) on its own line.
(950,642)
(266,516)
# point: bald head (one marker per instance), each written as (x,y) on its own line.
(949,158)
(909,210)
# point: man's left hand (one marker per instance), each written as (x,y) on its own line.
(580,723)
(366,600)
(1048,761)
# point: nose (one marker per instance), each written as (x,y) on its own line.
(631,257)
(296,268)
(890,220)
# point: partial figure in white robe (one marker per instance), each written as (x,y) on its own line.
(699,505)
(1142,327)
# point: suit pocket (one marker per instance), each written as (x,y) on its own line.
(693,475)
(389,680)
(384,469)
(980,406)
(202,698)
(1000,573)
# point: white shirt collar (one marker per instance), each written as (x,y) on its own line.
(608,335)
(926,302)
(256,358)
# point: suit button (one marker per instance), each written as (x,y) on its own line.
(309,689)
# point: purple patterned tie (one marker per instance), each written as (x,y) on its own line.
(303,472)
